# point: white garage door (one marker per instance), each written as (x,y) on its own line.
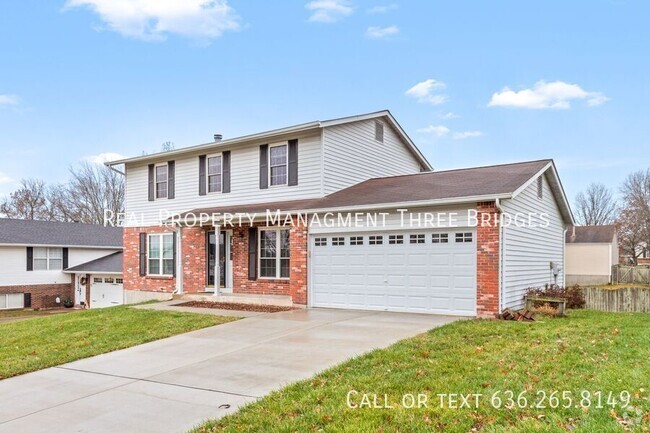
(420,271)
(106,291)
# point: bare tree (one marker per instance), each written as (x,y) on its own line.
(27,202)
(92,190)
(596,206)
(634,222)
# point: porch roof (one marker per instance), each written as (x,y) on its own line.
(110,264)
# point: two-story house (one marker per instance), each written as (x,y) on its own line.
(372,226)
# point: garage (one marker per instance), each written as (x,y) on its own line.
(422,271)
(106,291)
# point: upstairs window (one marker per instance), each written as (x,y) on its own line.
(215,173)
(161,181)
(48,259)
(379,131)
(278,161)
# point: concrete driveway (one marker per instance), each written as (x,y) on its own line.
(173,384)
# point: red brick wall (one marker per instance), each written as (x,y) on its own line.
(295,286)
(194,259)
(487,261)
(131,265)
(43,295)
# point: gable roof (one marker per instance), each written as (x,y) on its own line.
(431,188)
(60,234)
(591,234)
(110,264)
(283,131)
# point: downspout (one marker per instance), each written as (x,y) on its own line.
(566,229)
(497,203)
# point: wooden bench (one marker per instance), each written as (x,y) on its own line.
(560,303)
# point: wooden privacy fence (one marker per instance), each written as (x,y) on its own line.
(628,300)
(622,274)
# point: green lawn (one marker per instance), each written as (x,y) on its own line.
(590,351)
(47,341)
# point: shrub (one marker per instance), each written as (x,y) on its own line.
(573,295)
(68,303)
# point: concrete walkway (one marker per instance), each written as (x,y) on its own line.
(173,384)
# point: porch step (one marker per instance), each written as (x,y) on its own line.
(239,298)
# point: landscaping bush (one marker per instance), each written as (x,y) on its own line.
(573,295)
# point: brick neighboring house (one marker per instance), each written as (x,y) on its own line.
(43,263)
(360,164)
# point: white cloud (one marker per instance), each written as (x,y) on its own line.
(381,32)
(329,11)
(8,100)
(449,115)
(437,130)
(155,19)
(466,134)
(102,158)
(382,9)
(4,179)
(425,92)
(543,95)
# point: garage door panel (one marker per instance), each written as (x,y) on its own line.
(106,292)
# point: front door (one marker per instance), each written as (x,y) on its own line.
(212,241)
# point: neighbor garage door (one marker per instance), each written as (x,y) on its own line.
(106,291)
(419,271)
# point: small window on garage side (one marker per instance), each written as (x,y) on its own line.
(464,237)
(356,240)
(375,240)
(540,187)
(339,241)
(379,131)
(321,242)
(395,239)
(440,238)
(98,280)
(416,239)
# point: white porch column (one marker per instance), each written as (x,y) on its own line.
(217,269)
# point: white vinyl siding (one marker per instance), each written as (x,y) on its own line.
(527,252)
(244,176)
(352,154)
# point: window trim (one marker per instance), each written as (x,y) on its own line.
(286,164)
(156,182)
(47,259)
(207,173)
(161,259)
(278,253)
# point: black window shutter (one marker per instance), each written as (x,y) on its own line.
(143,254)
(226,171)
(30,258)
(27,300)
(171,179)
(264,166)
(174,235)
(151,183)
(65,258)
(293,163)
(252,253)
(202,181)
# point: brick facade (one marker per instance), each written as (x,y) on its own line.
(193,246)
(487,260)
(131,265)
(43,295)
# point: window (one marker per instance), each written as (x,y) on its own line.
(416,239)
(321,242)
(98,280)
(379,132)
(278,165)
(395,239)
(109,280)
(161,181)
(463,237)
(375,240)
(275,253)
(48,259)
(356,240)
(12,300)
(440,238)
(338,241)
(161,254)
(214,173)
(540,187)
(119,281)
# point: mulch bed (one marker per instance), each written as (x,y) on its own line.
(231,306)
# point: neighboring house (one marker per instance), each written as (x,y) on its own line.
(363,163)
(591,251)
(43,263)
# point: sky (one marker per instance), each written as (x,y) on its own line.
(472,82)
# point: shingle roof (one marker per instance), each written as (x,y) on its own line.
(30,232)
(591,234)
(111,263)
(438,185)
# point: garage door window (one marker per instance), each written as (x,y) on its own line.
(321,242)
(98,280)
(417,239)
(395,239)
(463,237)
(12,300)
(375,240)
(275,253)
(338,241)
(356,240)
(119,281)
(440,238)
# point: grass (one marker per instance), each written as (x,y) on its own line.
(43,342)
(588,350)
